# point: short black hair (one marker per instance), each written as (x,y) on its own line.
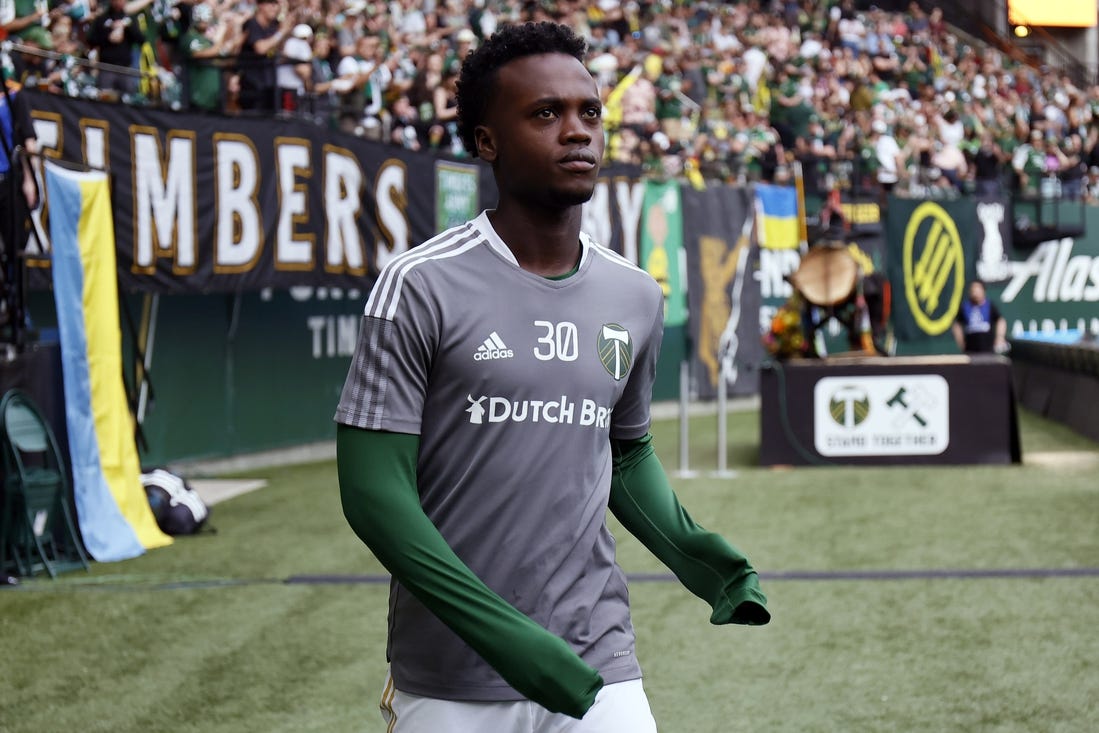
(478,72)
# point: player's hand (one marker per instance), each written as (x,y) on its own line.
(554,676)
(751,613)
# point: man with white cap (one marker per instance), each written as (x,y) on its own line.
(294,72)
(464,41)
(888,154)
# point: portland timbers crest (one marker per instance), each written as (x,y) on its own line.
(615,350)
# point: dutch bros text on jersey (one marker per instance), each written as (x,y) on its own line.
(515,385)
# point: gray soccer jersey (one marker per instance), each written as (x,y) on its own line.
(515,383)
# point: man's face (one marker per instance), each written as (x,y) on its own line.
(977,293)
(368,47)
(543,130)
(267,10)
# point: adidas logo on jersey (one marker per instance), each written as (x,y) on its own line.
(493,348)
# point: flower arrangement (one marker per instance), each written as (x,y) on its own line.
(786,338)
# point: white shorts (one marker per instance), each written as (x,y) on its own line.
(619,708)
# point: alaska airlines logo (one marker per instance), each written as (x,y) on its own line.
(562,411)
(615,350)
(934,268)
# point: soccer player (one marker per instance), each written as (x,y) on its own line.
(497,403)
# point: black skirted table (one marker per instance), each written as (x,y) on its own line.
(868,410)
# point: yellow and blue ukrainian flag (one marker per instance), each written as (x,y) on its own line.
(777,216)
(116,522)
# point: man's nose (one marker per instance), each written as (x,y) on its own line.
(575,128)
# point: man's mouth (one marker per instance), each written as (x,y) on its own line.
(579,161)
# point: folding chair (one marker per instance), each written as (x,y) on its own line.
(36,526)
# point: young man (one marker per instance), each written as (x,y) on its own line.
(498,400)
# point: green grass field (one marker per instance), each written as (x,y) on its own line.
(207,636)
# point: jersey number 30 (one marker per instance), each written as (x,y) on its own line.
(559,342)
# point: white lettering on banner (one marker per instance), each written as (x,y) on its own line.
(1050,326)
(48,131)
(598,222)
(595,216)
(766,316)
(333,336)
(992,262)
(238,228)
(392,204)
(305,293)
(774,266)
(630,198)
(165,199)
(560,411)
(165,209)
(881,415)
(95,145)
(343,181)
(1058,276)
(293,251)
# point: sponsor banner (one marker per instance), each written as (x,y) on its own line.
(206,203)
(1055,288)
(1050,286)
(662,254)
(994,251)
(902,415)
(456,194)
(723,295)
(931,258)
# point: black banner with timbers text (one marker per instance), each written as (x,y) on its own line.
(206,203)
(215,204)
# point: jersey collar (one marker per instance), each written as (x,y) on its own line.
(484,226)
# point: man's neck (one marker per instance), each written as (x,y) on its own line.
(544,243)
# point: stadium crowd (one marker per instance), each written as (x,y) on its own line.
(703,90)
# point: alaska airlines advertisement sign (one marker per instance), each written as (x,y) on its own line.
(936,247)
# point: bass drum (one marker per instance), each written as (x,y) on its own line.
(827,275)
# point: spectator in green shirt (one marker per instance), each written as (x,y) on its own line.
(201,50)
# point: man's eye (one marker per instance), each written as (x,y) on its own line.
(594,112)
(545,114)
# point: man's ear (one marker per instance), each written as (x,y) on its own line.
(486,145)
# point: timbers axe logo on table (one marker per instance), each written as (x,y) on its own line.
(881,415)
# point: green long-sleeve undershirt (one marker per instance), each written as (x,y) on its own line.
(642,499)
(377,475)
